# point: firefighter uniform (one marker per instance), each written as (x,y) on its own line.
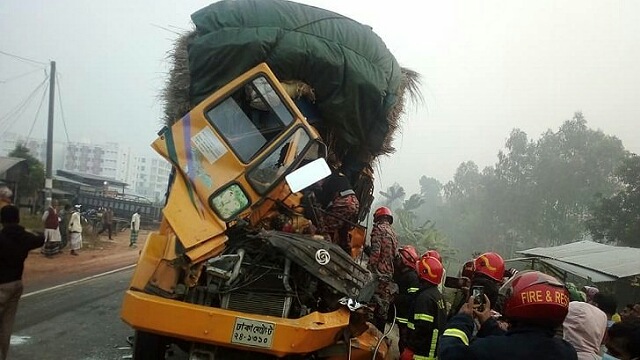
(427,317)
(383,249)
(341,207)
(522,343)
(408,283)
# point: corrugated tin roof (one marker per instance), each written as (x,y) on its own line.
(7,163)
(585,273)
(90,179)
(616,261)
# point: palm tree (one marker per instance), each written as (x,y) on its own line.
(395,193)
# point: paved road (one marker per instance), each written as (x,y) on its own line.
(80,321)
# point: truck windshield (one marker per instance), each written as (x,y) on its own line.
(251,118)
(276,164)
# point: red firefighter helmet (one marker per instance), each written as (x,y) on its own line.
(491,265)
(430,269)
(434,253)
(408,255)
(535,297)
(383,211)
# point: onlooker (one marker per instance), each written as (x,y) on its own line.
(15,244)
(65,214)
(626,312)
(107,220)
(623,340)
(75,230)
(135,228)
(52,239)
(606,303)
(590,292)
(384,245)
(636,311)
(585,327)
(5,196)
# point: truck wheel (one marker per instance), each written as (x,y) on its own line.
(148,346)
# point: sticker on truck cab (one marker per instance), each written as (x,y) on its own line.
(209,145)
(253,333)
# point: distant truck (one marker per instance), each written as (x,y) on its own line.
(231,272)
(123,207)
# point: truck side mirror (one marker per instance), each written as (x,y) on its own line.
(308,175)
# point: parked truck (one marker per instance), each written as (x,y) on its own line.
(261,96)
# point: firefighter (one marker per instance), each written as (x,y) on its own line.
(488,271)
(340,209)
(406,277)
(384,245)
(535,304)
(436,254)
(462,294)
(489,265)
(427,313)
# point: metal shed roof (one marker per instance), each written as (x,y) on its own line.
(7,163)
(616,261)
(579,271)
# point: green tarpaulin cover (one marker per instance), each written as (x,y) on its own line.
(355,77)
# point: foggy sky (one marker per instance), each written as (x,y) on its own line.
(487,67)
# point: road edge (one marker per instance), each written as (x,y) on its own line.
(77,281)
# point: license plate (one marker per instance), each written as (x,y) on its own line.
(253,333)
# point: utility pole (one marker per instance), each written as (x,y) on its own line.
(48,182)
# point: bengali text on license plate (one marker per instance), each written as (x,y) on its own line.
(253,333)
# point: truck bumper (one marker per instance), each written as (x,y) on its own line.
(219,326)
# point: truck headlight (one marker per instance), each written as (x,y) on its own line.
(229,202)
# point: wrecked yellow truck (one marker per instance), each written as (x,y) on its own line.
(256,103)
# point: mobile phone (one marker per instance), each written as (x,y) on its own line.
(477,291)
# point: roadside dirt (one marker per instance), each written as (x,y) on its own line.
(98,255)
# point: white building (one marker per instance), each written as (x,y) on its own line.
(147,175)
(151,177)
(37,148)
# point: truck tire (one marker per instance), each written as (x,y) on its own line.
(148,346)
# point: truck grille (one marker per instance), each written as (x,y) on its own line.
(257,303)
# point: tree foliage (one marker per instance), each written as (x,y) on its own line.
(33,181)
(617,218)
(540,192)
(393,195)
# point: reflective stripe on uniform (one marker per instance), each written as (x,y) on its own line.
(410,325)
(457,333)
(424,317)
(420,357)
(412,290)
(434,342)
(402,320)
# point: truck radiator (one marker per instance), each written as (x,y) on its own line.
(271,295)
(257,303)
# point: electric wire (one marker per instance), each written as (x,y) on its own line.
(20,76)
(24,59)
(20,108)
(35,118)
(25,100)
(386,334)
(64,123)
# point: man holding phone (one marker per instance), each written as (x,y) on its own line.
(535,305)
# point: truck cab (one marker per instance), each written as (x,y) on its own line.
(220,277)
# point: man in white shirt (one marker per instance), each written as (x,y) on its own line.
(135,228)
(75,231)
